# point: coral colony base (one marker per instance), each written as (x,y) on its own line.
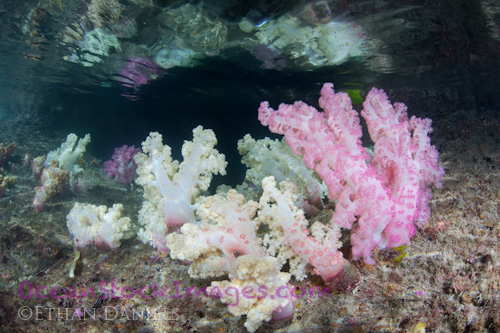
(257,236)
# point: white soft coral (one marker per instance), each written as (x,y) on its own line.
(170,187)
(96,224)
(226,243)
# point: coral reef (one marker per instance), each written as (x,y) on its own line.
(448,278)
(90,224)
(319,213)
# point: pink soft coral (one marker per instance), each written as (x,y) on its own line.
(386,194)
(122,166)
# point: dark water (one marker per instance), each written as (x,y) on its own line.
(438,57)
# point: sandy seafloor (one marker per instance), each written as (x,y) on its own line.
(449,278)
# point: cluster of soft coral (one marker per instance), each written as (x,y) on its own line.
(381,196)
